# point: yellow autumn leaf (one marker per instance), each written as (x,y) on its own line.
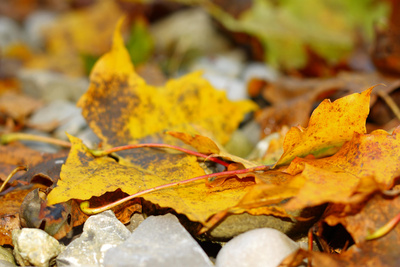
(330,125)
(83,176)
(121,108)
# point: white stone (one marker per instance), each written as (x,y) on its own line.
(223,73)
(264,247)
(259,71)
(34,247)
(73,125)
(35,26)
(10,32)
(62,115)
(88,137)
(49,86)
(229,65)
(100,233)
(56,111)
(234,88)
(159,241)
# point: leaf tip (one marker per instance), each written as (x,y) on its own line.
(368,92)
(118,41)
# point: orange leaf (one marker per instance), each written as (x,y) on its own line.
(202,144)
(323,186)
(336,178)
(330,125)
(376,154)
(364,165)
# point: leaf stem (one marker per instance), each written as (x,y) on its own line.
(100,153)
(390,102)
(17,169)
(310,235)
(384,229)
(10,137)
(85,206)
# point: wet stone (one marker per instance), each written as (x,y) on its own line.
(264,247)
(34,247)
(100,233)
(158,241)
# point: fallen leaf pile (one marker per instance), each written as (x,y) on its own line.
(333,160)
(334,163)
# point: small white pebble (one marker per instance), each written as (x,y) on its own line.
(264,247)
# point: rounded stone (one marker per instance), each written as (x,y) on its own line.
(34,247)
(264,247)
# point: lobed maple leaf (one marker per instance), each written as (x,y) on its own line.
(121,108)
(330,125)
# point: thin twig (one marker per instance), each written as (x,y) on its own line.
(384,230)
(390,102)
(310,245)
(19,168)
(10,137)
